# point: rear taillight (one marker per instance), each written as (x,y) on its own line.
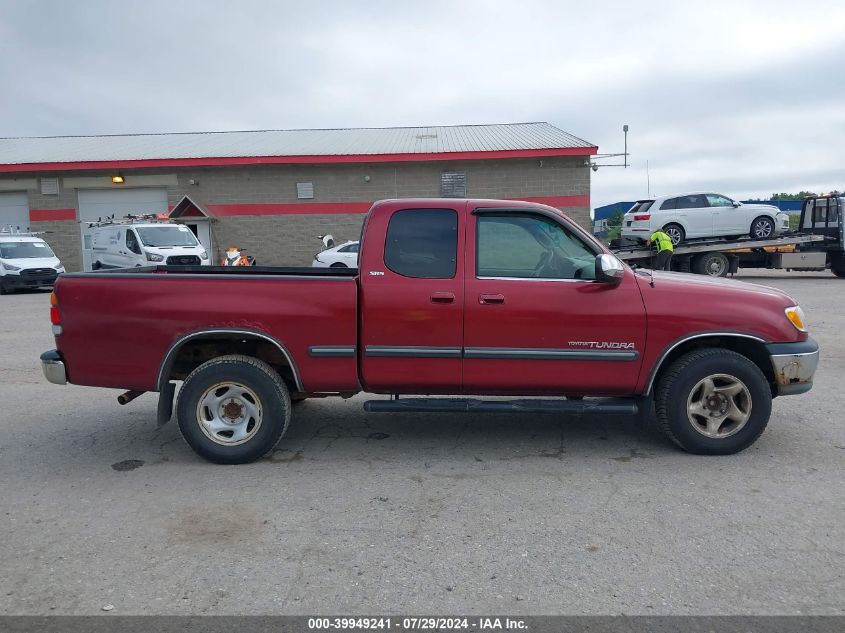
(647,216)
(55,317)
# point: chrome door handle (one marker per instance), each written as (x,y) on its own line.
(443,297)
(485,299)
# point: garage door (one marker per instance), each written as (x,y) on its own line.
(14,211)
(101,204)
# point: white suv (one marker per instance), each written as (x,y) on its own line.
(699,215)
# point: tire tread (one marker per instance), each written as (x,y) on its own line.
(676,369)
(272,374)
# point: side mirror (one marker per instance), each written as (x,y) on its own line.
(609,270)
(736,204)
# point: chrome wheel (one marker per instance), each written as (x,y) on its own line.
(763,228)
(675,233)
(229,413)
(719,406)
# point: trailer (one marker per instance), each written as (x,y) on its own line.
(817,245)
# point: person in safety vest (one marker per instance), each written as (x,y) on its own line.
(663,244)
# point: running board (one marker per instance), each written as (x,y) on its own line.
(607,406)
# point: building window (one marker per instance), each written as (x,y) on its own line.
(453,184)
(305,190)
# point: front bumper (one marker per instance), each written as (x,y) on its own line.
(53,367)
(794,365)
(30,280)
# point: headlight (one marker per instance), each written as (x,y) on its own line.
(10,267)
(60,269)
(796,316)
(203,255)
(154,257)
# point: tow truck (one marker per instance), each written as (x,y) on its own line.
(817,245)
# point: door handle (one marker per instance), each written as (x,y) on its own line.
(484,299)
(443,297)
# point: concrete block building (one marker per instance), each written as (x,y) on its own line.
(273,192)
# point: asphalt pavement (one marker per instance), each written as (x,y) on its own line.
(364,513)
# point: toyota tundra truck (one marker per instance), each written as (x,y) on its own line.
(457,306)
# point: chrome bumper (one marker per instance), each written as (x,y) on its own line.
(794,365)
(53,367)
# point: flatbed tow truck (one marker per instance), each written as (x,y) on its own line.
(817,245)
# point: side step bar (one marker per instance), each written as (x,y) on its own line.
(606,406)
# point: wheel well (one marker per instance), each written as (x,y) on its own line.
(195,351)
(753,350)
(762,216)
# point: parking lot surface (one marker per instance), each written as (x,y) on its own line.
(365,513)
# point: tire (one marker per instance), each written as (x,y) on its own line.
(338,265)
(3,289)
(712,264)
(762,228)
(254,392)
(837,266)
(96,266)
(683,385)
(675,232)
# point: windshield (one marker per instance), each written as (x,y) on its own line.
(166,236)
(24,250)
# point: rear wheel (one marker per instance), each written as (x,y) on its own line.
(712,264)
(675,232)
(762,228)
(837,266)
(713,402)
(233,409)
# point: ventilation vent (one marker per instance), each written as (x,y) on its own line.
(49,186)
(305,190)
(453,184)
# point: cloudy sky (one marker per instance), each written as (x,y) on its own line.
(744,98)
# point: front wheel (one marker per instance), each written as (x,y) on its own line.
(233,409)
(713,402)
(762,228)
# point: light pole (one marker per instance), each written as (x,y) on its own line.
(625,130)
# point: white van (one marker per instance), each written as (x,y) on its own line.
(26,261)
(145,244)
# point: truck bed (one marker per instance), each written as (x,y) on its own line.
(238,271)
(119,324)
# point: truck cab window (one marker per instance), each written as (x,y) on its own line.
(530,247)
(422,243)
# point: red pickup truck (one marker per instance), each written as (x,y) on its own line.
(452,298)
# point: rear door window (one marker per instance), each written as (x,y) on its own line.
(669,205)
(696,201)
(422,243)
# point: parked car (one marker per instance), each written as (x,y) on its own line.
(343,256)
(130,244)
(484,297)
(702,215)
(26,261)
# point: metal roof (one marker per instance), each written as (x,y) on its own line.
(350,142)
